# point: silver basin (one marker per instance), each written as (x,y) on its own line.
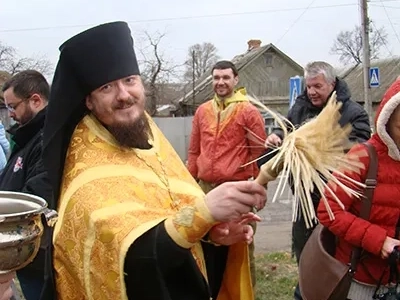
(21,228)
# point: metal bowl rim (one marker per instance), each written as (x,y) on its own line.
(36,199)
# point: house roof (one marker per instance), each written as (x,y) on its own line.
(389,69)
(241,61)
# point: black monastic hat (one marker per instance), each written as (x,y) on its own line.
(87,61)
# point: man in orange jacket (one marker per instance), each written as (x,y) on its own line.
(219,143)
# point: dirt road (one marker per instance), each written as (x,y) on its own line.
(274,231)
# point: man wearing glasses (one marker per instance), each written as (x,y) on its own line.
(25,96)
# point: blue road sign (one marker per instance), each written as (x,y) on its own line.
(294,89)
(374,77)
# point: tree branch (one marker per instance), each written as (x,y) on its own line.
(348,44)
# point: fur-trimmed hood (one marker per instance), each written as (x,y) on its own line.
(389,102)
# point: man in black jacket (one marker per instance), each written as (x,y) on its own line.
(321,81)
(26,95)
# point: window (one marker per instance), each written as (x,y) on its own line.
(268,59)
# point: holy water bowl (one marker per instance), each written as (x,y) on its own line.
(21,228)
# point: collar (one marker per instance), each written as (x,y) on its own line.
(238,95)
(25,133)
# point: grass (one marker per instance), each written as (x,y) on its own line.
(276,276)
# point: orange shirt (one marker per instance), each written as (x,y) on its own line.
(219,145)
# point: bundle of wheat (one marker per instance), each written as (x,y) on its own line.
(310,154)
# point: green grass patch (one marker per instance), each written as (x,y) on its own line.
(276,276)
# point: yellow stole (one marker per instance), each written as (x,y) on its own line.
(110,196)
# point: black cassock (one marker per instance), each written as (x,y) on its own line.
(157,268)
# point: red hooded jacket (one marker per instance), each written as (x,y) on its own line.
(219,143)
(385,212)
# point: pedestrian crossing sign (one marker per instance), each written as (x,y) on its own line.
(295,84)
(374,77)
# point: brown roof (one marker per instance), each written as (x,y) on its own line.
(389,69)
(203,85)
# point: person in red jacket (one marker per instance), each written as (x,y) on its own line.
(219,143)
(379,235)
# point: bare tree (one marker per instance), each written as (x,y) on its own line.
(156,69)
(201,57)
(12,63)
(348,44)
(6,54)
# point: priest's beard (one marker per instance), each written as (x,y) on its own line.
(133,135)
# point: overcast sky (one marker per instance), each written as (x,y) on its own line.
(303,29)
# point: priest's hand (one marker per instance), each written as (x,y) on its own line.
(5,286)
(231,200)
(235,231)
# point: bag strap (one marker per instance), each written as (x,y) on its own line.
(370,184)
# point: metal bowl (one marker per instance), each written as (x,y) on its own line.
(21,228)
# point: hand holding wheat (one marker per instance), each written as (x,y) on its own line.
(310,154)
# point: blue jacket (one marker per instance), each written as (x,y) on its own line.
(4,147)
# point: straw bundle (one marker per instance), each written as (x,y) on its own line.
(310,154)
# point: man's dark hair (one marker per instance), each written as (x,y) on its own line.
(225,64)
(28,82)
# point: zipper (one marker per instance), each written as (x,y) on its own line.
(215,142)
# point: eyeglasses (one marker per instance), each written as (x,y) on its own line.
(13,108)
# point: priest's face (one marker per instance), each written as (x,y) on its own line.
(119,105)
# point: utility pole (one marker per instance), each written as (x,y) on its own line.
(366,61)
(193,81)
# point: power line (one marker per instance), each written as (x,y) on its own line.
(384,1)
(295,21)
(187,17)
(382,39)
(390,21)
(386,6)
(390,53)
